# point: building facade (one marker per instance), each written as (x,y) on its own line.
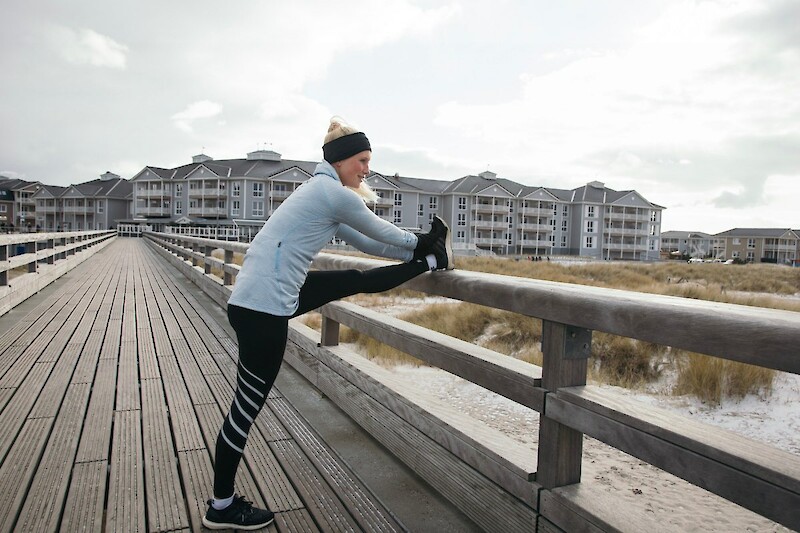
(688,244)
(768,245)
(92,205)
(487,214)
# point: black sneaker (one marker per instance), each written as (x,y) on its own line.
(238,515)
(443,246)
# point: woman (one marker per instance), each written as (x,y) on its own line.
(275,285)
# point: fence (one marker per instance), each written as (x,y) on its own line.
(31,261)
(496,481)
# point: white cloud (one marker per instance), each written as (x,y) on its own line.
(87,47)
(184,120)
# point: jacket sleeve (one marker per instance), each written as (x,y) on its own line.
(351,211)
(371,246)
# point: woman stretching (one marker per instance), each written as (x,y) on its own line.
(275,285)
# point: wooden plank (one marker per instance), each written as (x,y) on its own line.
(128,379)
(192,376)
(49,399)
(49,487)
(83,510)
(148,364)
(499,373)
(487,505)
(18,407)
(126,496)
(18,469)
(269,474)
(23,364)
(506,461)
(319,498)
(184,421)
(295,521)
(166,510)
(96,436)
(370,515)
(732,468)
(197,475)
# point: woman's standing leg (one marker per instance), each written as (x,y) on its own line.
(262,341)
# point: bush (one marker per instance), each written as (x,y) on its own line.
(712,379)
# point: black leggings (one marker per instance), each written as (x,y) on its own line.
(262,341)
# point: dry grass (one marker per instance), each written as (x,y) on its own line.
(712,380)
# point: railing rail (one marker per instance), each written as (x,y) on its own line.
(37,259)
(753,475)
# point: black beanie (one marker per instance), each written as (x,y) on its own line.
(344,147)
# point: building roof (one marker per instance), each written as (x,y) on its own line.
(685,235)
(760,232)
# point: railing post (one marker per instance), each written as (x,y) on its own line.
(4,249)
(329,332)
(206,264)
(227,277)
(565,351)
(193,248)
(30,247)
(51,246)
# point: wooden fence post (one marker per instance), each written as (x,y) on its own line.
(329,332)
(565,351)
(227,276)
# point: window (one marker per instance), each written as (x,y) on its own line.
(178,189)
(590,211)
(236,208)
(462,219)
(3,208)
(653,215)
(508,238)
(258,192)
(563,241)
(258,205)
(433,202)
(421,211)
(751,243)
(462,203)
(100,205)
(236,189)
(398,216)
(589,242)
(566,210)
(589,228)
(178,207)
(460,235)
(398,199)
(751,256)
(563,225)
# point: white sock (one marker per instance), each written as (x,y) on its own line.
(431,259)
(221,503)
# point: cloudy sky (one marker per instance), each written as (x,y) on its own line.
(695,104)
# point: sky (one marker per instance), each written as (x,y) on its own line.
(694,104)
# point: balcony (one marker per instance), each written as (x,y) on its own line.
(488,224)
(77,209)
(628,216)
(208,193)
(627,231)
(152,193)
(642,247)
(208,211)
(490,208)
(491,242)
(535,243)
(153,211)
(537,211)
(282,195)
(544,228)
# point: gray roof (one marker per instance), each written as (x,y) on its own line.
(759,232)
(685,235)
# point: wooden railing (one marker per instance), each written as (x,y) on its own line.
(31,261)
(542,491)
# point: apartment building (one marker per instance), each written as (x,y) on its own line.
(93,205)
(687,243)
(768,245)
(19,204)
(487,214)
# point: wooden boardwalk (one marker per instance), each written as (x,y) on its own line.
(111,395)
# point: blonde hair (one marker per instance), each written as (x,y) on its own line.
(339,128)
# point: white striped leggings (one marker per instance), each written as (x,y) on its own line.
(262,341)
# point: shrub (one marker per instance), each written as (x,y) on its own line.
(712,379)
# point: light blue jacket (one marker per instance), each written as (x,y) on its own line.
(277,262)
